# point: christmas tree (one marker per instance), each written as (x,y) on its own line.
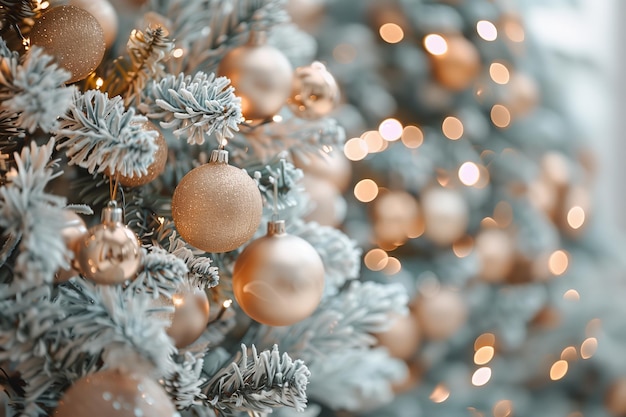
(172,218)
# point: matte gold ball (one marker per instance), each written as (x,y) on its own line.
(190,317)
(446,215)
(278,279)
(73,232)
(73,37)
(315,92)
(105,14)
(217,207)
(156,168)
(332,166)
(396,216)
(112,393)
(261,75)
(458,67)
(440,314)
(403,337)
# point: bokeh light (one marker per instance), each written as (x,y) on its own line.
(435,44)
(365,190)
(452,128)
(487,30)
(391,33)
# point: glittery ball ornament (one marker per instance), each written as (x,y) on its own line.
(278,279)
(261,75)
(110,253)
(457,68)
(190,317)
(73,37)
(105,14)
(113,393)
(156,167)
(72,233)
(315,92)
(217,207)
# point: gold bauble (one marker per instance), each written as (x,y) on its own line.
(113,393)
(217,207)
(73,37)
(396,216)
(446,215)
(523,94)
(440,314)
(104,13)
(72,233)
(315,92)
(615,398)
(261,75)
(190,317)
(156,167)
(332,166)
(110,253)
(458,67)
(328,205)
(403,337)
(278,279)
(496,254)
(306,14)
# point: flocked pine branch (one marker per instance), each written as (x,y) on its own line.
(99,134)
(201,271)
(162,273)
(13,12)
(184,384)
(9,130)
(195,107)
(259,382)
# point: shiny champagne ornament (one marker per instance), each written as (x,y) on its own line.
(261,74)
(278,279)
(113,393)
(73,37)
(332,166)
(156,167)
(73,233)
(105,14)
(190,317)
(396,217)
(315,92)
(496,254)
(446,215)
(403,337)
(440,314)
(457,68)
(328,207)
(217,207)
(110,253)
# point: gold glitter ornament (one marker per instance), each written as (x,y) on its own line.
(278,279)
(113,393)
(73,37)
(73,233)
(315,92)
(190,317)
(156,168)
(217,207)
(261,75)
(110,253)
(105,14)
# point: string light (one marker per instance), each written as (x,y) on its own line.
(277,118)
(412,137)
(558,262)
(391,33)
(484,355)
(99,83)
(588,347)
(499,73)
(469,174)
(558,370)
(227,303)
(393,266)
(376,259)
(439,394)
(366,190)
(355,149)
(576,217)
(435,44)
(390,129)
(375,143)
(487,30)
(571,295)
(452,128)
(500,116)
(569,354)
(481,376)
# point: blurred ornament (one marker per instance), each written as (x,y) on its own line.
(396,217)
(156,167)
(104,13)
(278,279)
(547,318)
(446,215)
(575,209)
(415,372)
(73,37)
(110,253)
(315,92)
(217,207)
(615,398)
(73,233)
(261,74)
(332,166)
(190,317)
(307,14)
(458,67)
(523,94)
(403,337)
(440,313)
(328,205)
(111,393)
(496,252)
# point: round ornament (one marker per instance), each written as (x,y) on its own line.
(396,216)
(73,37)
(115,393)
(446,215)
(73,233)
(278,279)
(315,92)
(307,14)
(440,314)
(104,13)
(156,168)
(190,317)
(333,167)
(457,68)
(523,94)
(110,253)
(217,207)
(328,205)
(403,337)
(496,254)
(261,75)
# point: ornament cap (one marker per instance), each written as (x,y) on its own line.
(112,213)
(276,227)
(219,156)
(257,37)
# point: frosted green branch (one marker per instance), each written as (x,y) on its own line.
(201,271)
(259,383)
(195,107)
(99,135)
(185,383)
(162,273)
(13,12)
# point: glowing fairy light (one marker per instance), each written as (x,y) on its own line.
(481,376)
(484,355)
(391,33)
(366,190)
(390,129)
(500,116)
(487,30)
(571,295)
(588,347)
(375,143)
(485,339)
(412,137)
(376,259)
(576,217)
(355,149)
(569,354)
(503,408)
(99,83)
(469,174)
(558,262)
(499,73)
(439,394)
(435,44)
(463,247)
(393,266)
(277,118)
(178,53)
(558,370)
(227,303)
(452,128)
